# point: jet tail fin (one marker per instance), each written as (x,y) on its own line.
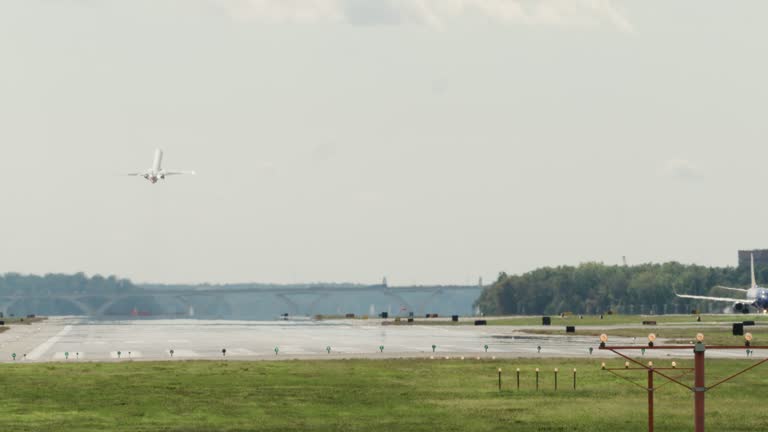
(157,163)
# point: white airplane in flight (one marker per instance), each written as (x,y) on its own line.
(757,297)
(157,172)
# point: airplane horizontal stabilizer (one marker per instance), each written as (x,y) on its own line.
(717,299)
(732,289)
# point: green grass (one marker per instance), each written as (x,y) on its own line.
(676,335)
(629,319)
(356,395)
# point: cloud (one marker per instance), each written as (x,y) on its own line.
(681,168)
(436,13)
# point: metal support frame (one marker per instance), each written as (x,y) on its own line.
(651,389)
(699,387)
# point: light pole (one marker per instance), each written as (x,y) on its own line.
(699,388)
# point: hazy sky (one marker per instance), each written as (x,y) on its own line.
(431,141)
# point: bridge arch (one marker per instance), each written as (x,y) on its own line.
(84,308)
(388,292)
(101,310)
(290,303)
(315,302)
(423,305)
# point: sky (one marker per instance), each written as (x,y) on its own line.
(428,141)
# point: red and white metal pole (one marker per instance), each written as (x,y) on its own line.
(650,400)
(699,386)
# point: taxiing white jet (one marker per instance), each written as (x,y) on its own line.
(756,296)
(157,172)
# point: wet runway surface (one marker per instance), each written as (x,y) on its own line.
(78,339)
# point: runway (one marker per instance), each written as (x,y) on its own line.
(80,339)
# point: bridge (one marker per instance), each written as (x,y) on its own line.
(253,302)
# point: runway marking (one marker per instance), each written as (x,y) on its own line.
(184,353)
(72,356)
(124,354)
(351,350)
(240,351)
(296,350)
(45,346)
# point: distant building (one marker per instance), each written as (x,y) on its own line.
(761,257)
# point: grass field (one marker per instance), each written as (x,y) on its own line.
(676,335)
(676,328)
(357,395)
(595,320)
(608,320)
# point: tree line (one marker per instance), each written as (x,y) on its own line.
(592,288)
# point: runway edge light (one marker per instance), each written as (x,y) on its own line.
(603,340)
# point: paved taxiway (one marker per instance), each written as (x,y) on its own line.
(87,340)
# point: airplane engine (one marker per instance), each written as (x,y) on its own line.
(741,307)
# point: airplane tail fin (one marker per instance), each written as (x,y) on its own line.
(752,263)
(157,164)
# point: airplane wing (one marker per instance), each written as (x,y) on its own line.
(135,174)
(179,173)
(717,299)
(731,289)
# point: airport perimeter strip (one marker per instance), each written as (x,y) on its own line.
(699,387)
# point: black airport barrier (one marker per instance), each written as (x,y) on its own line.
(384,315)
(455,318)
(738,329)
(748,323)
(481,322)
(2,323)
(570,329)
(410,319)
(546,320)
